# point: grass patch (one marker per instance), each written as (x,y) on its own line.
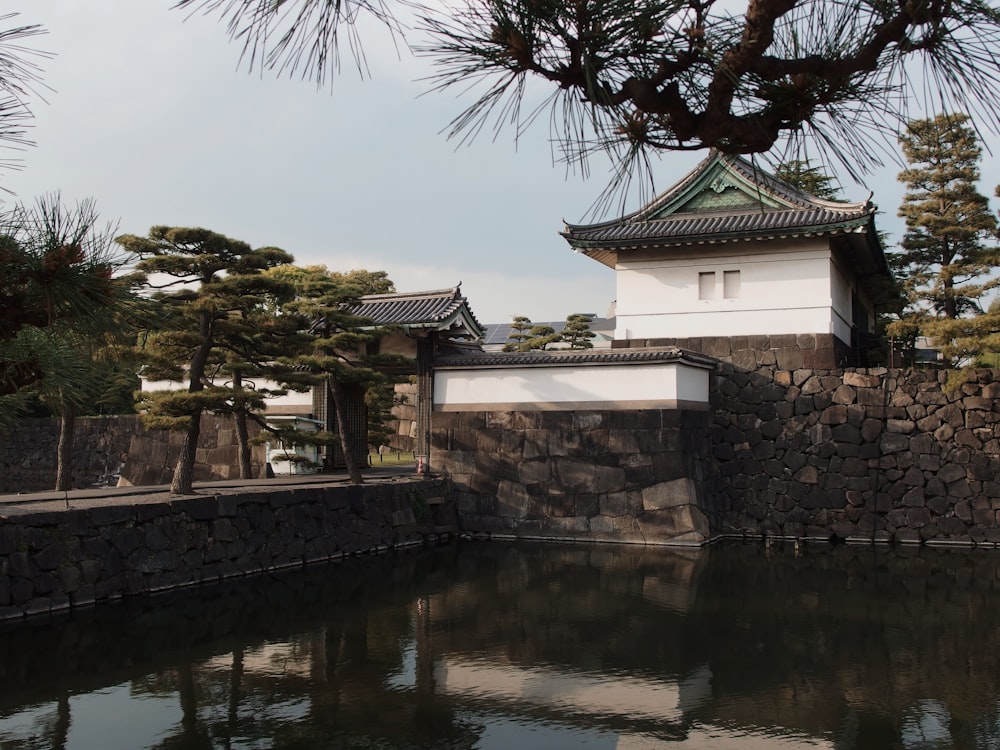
(395,458)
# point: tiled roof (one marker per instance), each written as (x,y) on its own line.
(575,357)
(442,309)
(769,208)
(696,228)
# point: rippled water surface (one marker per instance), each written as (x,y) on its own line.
(499,647)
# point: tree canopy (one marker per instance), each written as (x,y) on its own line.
(19,76)
(948,258)
(210,288)
(577,331)
(59,290)
(340,352)
(639,76)
(810,179)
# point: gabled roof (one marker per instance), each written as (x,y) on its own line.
(728,199)
(444,310)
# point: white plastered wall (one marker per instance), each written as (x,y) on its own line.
(595,386)
(784,287)
(842,309)
(293,402)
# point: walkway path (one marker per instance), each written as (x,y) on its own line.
(12,504)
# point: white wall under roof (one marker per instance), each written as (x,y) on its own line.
(293,402)
(784,287)
(566,387)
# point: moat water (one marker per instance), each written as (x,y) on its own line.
(498,646)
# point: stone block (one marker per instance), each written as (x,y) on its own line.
(960,489)
(854,467)
(576,526)
(891,442)
(602,525)
(608,479)
(819,359)
(789,357)
(846,433)
(951,472)
(862,380)
(844,394)
(669,494)
(901,426)
(50,557)
(744,359)
(513,500)
(968,439)
(717,346)
(871,429)
(836,414)
(669,524)
(616,504)
(914,498)
(573,475)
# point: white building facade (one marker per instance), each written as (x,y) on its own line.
(730,251)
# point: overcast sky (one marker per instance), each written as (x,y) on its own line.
(149,112)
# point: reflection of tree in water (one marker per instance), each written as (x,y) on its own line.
(870,648)
(852,639)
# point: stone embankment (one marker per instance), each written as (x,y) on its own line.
(871,454)
(637,476)
(59,554)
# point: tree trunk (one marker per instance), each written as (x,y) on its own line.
(242,434)
(346,444)
(243,445)
(183,478)
(184,470)
(61,728)
(235,693)
(64,451)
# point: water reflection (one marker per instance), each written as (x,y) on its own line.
(497,646)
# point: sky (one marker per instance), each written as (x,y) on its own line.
(148,111)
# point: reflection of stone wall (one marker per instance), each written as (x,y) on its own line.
(28,453)
(631,476)
(53,557)
(863,454)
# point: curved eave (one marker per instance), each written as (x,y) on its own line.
(606,251)
(457,319)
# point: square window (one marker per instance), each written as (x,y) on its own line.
(730,284)
(706,285)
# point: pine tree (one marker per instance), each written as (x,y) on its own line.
(634,77)
(519,333)
(947,256)
(542,336)
(210,289)
(808,179)
(337,353)
(577,331)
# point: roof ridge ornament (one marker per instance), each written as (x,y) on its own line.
(721,183)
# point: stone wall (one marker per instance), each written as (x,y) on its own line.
(152,454)
(781,351)
(857,454)
(403,424)
(604,475)
(28,452)
(53,557)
